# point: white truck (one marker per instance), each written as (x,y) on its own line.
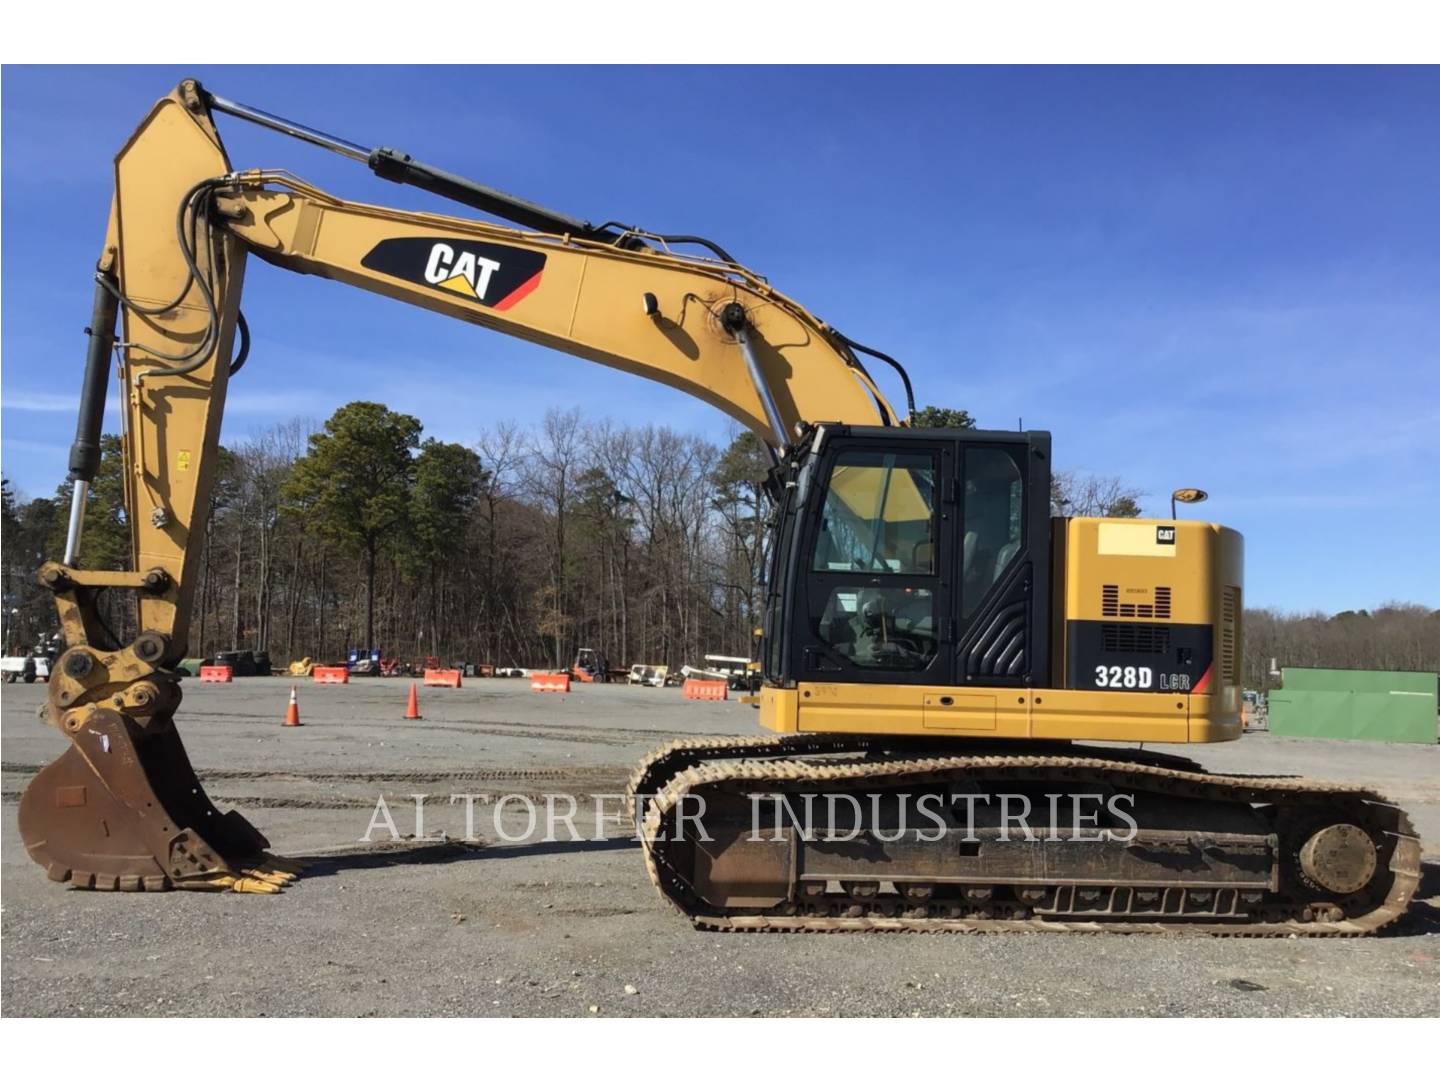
(25,668)
(647,674)
(737,672)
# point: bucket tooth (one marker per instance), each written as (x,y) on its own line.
(122,809)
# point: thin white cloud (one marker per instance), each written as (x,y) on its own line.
(35,446)
(269,402)
(44,401)
(279,404)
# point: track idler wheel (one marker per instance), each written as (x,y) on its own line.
(122,809)
(1339,859)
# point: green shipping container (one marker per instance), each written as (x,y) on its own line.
(1379,706)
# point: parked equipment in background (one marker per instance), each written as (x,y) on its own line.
(1253,711)
(739,672)
(375,662)
(590,666)
(33,664)
(25,668)
(647,674)
(928,627)
(302,668)
(244,662)
(359,656)
(736,672)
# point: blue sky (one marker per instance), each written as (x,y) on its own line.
(1225,278)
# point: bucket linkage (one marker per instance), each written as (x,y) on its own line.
(122,808)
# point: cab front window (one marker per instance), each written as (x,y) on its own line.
(873,566)
(879,515)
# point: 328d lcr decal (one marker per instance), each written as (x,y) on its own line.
(492,275)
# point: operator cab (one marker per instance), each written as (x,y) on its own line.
(911,556)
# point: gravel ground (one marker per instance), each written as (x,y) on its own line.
(575,929)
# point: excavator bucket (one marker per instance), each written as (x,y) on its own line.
(122,809)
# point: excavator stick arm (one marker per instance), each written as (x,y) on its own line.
(122,808)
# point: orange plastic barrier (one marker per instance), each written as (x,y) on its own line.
(217,673)
(543,682)
(706,690)
(338,675)
(442,677)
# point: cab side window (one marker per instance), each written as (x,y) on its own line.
(994,522)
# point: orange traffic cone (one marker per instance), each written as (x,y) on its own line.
(412,707)
(292,714)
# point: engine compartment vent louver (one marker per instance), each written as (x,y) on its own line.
(1162,601)
(1112,608)
(1123,638)
(1229,634)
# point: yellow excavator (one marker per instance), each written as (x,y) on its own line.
(937,650)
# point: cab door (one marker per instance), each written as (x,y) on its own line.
(1002,559)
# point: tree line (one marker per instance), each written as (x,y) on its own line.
(1394,637)
(643,542)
